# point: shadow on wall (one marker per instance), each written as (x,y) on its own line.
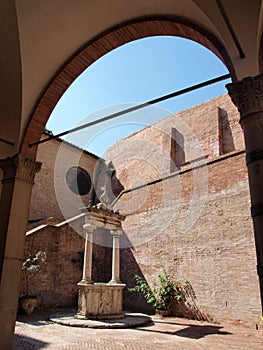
(56,284)
(129,268)
(106,178)
(101,263)
(186,306)
(226,141)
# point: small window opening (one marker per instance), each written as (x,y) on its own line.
(177,150)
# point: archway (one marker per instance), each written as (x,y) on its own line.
(105,42)
(32,140)
(56,87)
(99,46)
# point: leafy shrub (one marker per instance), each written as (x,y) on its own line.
(162,293)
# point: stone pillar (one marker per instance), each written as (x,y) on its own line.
(17,182)
(247,95)
(87,266)
(115,279)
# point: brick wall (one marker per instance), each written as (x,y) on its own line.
(195,222)
(56,282)
(192,219)
(51,196)
(146,155)
(216,255)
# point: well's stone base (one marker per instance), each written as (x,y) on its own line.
(100,301)
(68,318)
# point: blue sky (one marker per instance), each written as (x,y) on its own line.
(131,74)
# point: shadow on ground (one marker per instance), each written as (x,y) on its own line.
(24,342)
(197,332)
(190,331)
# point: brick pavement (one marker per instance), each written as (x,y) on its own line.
(36,333)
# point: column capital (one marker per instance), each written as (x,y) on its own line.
(19,167)
(116,232)
(89,228)
(247,95)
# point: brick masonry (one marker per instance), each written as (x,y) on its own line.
(195,223)
(56,282)
(103,44)
(51,196)
(192,218)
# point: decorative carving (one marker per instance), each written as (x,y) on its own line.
(19,167)
(252,156)
(247,95)
(105,199)
(101,212)
(257,210)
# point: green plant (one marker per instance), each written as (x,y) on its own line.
(162,293)
(31,266)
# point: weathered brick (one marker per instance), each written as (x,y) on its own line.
(217,254)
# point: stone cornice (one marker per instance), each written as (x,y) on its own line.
(100,210)
(19,167)
(101,216)
(247,95)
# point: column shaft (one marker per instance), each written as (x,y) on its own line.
(115,258)
(247,95)
(18,176)
(87,266)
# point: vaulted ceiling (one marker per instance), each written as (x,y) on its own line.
(46,44)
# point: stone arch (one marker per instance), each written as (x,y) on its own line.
(104,43)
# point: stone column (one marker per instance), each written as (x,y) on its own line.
(115,279)
(17,182)
(247,95)
(87,266)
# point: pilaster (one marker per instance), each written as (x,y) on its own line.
(20,168)
(17,182)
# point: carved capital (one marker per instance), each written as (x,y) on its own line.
(116,232)
(19,167)
(247,95)
(89,228)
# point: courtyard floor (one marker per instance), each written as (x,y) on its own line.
(36,332)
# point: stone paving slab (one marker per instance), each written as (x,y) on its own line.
(36,332)
(129,321)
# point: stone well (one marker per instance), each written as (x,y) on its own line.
(101,300)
